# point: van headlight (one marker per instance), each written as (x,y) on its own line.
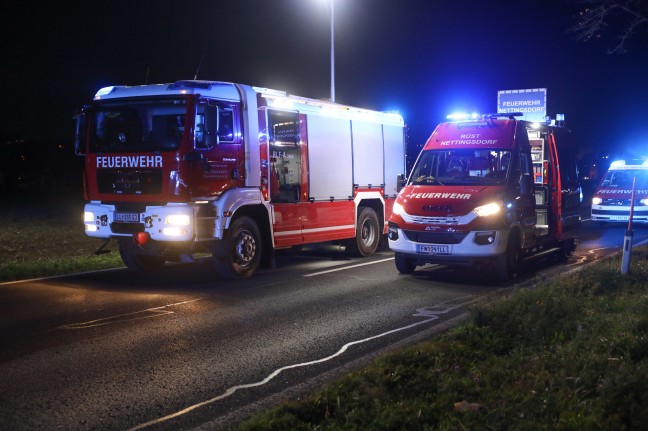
(397,209)
(597,201)
(488,209)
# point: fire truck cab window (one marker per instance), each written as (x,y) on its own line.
(213,122)
(285,157)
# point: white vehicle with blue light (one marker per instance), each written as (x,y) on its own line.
(613,200)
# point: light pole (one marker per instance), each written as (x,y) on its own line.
(332,50)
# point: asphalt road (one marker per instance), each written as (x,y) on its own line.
(183,350)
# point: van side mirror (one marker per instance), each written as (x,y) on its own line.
(401,180)
(526,185)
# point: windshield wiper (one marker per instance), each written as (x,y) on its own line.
(425,179)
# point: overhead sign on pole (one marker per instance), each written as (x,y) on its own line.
(532,103)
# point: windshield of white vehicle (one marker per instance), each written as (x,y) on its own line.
(623,178)
(137,125)
(461,167)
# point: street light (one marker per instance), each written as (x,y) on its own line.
(332,50)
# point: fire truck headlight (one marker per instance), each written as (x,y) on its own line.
(397,209)
(177,220)
(488,209)
(597,201)
(88,217)
(643,201)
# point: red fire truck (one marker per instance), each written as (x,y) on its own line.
(191,167)
(611,202)
(488,192)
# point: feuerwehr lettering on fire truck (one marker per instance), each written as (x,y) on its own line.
(129,161)
(623,191)
(440,195)
(469,139)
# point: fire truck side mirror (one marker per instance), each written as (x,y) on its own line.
(526,185)
(80,132)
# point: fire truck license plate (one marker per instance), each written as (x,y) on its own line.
(432,249)
(127,217)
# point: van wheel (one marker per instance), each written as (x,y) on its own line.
(367,234)
(238,255)
(138,262)
(404,264)
(508,264)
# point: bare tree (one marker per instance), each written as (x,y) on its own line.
(623,18)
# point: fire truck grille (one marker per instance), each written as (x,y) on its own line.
(130,182)
(435,237)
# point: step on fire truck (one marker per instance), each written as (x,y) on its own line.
(488,192)
(236,171)
(611,202)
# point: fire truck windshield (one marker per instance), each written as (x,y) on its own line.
(137,126)
(461,167)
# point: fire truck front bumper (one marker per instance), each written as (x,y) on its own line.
(171,222)
(449,248)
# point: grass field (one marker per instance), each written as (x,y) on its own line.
(42,236)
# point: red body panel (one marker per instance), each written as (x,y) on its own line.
(453,135)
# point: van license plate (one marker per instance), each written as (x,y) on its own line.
(127,217)
(432,249)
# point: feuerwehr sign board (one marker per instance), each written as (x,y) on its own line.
(532,103)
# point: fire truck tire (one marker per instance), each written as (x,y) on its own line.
(140,263)
(567,248)
(367,236)
(238,255)
(508,265)
(404,264)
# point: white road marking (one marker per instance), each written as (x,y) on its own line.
(347,267)
(136,315)
(53,277)
(428,312)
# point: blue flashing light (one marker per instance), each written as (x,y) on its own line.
(457,116)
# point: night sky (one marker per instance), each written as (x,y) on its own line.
(425,58)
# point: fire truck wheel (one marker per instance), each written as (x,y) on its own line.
(404,264)
(239,254)
(367,234)
(508,265)
(566,250)
(140,263)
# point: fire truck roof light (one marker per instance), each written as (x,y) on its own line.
(104,91)
(618,164)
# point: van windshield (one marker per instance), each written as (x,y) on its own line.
(137,126)
(623,178)
(461,167)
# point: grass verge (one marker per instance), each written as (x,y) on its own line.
(44,237)
(568,355)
